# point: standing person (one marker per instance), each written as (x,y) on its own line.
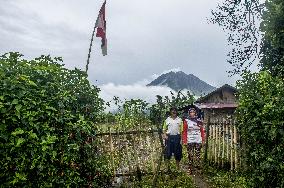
(172,129)
(193,136)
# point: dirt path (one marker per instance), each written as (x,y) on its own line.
(198,178)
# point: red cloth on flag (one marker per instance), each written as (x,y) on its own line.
(101,28)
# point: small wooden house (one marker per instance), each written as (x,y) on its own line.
(221,103)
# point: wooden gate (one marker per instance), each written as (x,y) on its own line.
(132,153)
(223,147)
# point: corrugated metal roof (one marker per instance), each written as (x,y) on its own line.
(216,105)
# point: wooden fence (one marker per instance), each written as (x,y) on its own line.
(136,153)
(223,147)
(132,153)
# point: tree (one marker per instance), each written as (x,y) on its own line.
(272,48)
(255,32)
(260,111)
(160,109)
(47,116)
(261,125)
(240,20)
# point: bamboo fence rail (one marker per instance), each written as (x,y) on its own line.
(139,152)
(132,153)
(223,144)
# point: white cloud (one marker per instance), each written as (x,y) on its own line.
(138,90)
(135,91)
(167,71)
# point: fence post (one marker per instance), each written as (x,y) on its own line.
(211,143)
(227,142)
(223,144)
(214,143)
(136,157)
(232,146)
(117,149)
(111,151)
(127,154)
(219,142)
(160,132)
(235,144)
(151,154)
(206,143)
(139,158)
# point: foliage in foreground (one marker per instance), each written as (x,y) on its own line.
(261,124)
(260,113)
(173,178)
(225,179)
(46,125)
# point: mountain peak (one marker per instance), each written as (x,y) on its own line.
(180,80)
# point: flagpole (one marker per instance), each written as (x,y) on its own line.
(100,33)
(90,49)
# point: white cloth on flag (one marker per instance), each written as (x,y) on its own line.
(101,29)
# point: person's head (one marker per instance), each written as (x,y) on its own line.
(192,112)
(173,112)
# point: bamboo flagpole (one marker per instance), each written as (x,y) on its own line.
(101,32)
(90,49)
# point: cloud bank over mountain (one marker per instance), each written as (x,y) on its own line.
(135,91)
(138,90)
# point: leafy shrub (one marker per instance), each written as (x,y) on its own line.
(47,114)
(261,124)
(177,179)
(224,179)
(159,111)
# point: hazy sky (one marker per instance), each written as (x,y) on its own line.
(145,37)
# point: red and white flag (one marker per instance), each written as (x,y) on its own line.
(101,28)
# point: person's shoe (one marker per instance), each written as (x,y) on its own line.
(198,166)
(169,171)
(189,171)
(190,164)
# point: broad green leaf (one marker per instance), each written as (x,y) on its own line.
(18,131)
(32,135)
(19,142)
(21,176)
(32,83)
(15,101)
(50,108)
(18,107)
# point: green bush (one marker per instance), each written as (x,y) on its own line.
(47,114)
(261,124)
(176,179)
(221,178)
